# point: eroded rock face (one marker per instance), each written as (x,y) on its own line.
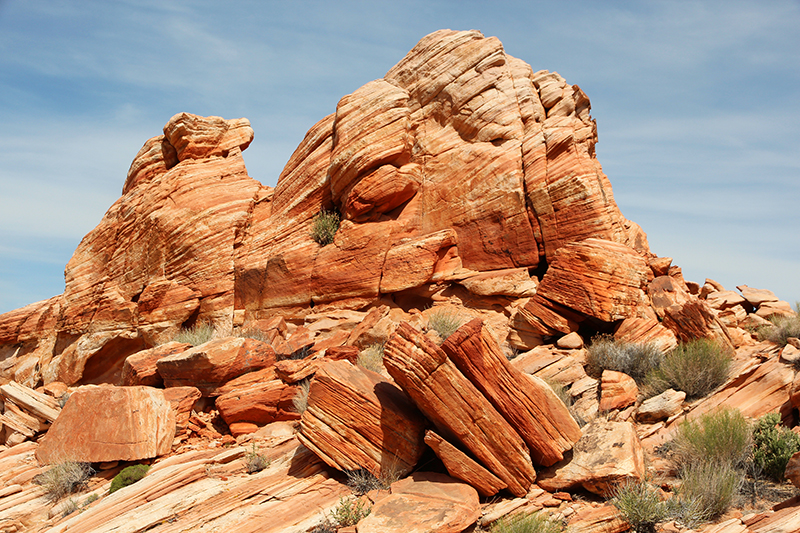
(473,162)
(110,424)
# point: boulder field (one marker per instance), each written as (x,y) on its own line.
(468,191)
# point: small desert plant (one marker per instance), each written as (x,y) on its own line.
(350,511)
(300,400)
(324,227)
(69,507)
(128,476)
(781,329)
(254,461)
(445,323)
(696,368)
(91,499)
(641,505)
(362,481)
(371,358)
(250,333)
(773,446)
(64,478)
(722,437)
(712,485)
(686,510)
(527,523)
(196,335)
(634,359)
(327,526)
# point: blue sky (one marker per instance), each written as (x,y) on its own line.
(697,104)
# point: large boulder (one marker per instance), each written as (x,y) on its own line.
(609,453)
(107,423)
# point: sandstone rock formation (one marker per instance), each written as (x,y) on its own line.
(468,189)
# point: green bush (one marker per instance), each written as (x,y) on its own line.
(641,505)
(722,437)
(196,335)
(445,323)
(773,446)
(696,368)
(324,227)
(128,476)
(371,358)
(64,478)
(714,486)
(781,329)
(350,511)
(254,461)
(527,523)
(634,359)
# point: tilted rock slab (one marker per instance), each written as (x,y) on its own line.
(457,408)
(462,466)
(259,404)
(527,403)
(358,419)
(110,424)
(212,364)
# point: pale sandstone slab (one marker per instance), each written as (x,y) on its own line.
(661,407)
(609,453)
(110,424)
(424,502)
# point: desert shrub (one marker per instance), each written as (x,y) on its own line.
(128,476)
(445,323)
(641,505)
(250,333)
(350,511)
(196,335)
(781,329)
(362,481)
(713,486)
(69,507)
(687,510)
(64,478)
(371,358)
(696,368)
(722,437)
(324,227)
(254,461)
(773,446)
(527,523)
(300,400)
(634,359)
